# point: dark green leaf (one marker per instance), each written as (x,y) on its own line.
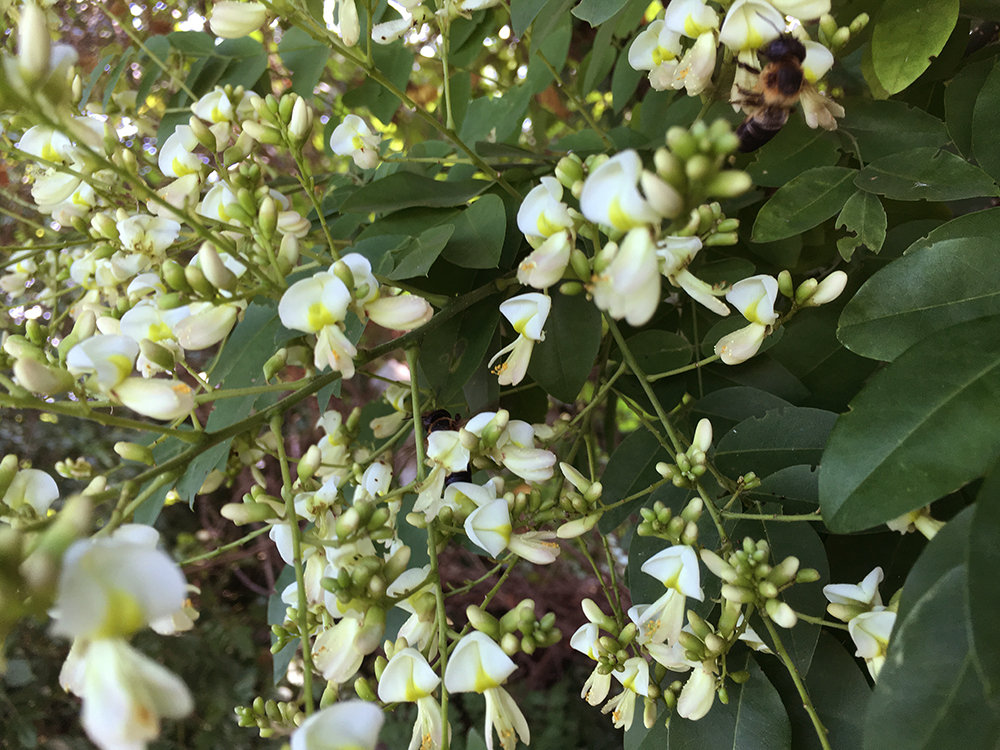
(497,118)
(984,224)
(925,174)
(379,250)
(562,362)
(632,468)
(728,406)
(305,58)
(795,488)
(551,16)
(479,234)
(596,12)
(193,43)
(160,47)
(929,694)
(908,34)
(924,291)
(450,354)
(795,149)
(921,428)
(781,438)
(882,128)
(115,75)
(418,255)
(601,57)
(754,719)
(395,61)
(809,199)
(198,470)
(960,97)
(984,562)
(949,550)
(985,139)
(863,214)
(406,189)
(522,13)
(624,81)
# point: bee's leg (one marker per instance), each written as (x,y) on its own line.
(749,68)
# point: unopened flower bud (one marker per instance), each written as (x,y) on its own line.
(300,124)
(664,199)
(828,290)
(244,513)
(681,142)
(41,378)
(841,38)
(195,278)
(34,44)
(158,354)
(135,452)
(578,527)
(240,150)
(569,170)
(805,291)
(859,23)
(309,462)
(232,20)
(288,253)
(214,269)
(781,613)
(510,644)
(267,217)
(729,184)
(784,572)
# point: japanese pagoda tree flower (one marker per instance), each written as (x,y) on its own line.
(676,568)
(536,547)
(804,10)
(318,305)
(30,488)
(106,360)
(542,212)
(635,681)
(158,398)
(489,527)
(676,254)
(694,71)
(341,16)
(408,678)
(336,652)
(527,313)
(917,520)
(213,205)
(125,694)
(870,632)
(348,725)
(46,143)
(611,194)
(754,297)
(698,693)
(750,24)
(597,685)
(692,18)
(111,587)
(354,138)
(403,312)
(177,157)
(215,106)
(848,600)
(479,665)
(232,20)
(149,235)
(547,264)
(206,324)
(419,601)
(629,285)
(446,454)
(656,49)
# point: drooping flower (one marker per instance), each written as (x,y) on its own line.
(348,725)
(754,297)
(698,693)
(848,600)
(635,681)
(656,49)
(409,678)
(542,212)
(547,264)
(232,20)
(527,313)
(597,685)
(870,632)
(611,194)
(354,138)
(677,569)
(629,285)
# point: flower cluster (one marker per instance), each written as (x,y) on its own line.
(869,623)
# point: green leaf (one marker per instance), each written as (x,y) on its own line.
(155,45)
(192,43)
(452,352)
(728,406)
(631,468)
(929,694)
(794,488)
(881,128)
(863,214)
(562,362)
(115,75)
(522,13)
(809,199)
(960,96)
(985,139)
(417,256)
(305,58)
(985,223)
(754,719)
(406,189)
(907,35)
(548,20)
(921,428)
(624,81)
(781,438)
(95,74)
(983,564)
(924,291)
(925,174)
(601,57)
(596,12)
(395,61)
(795,149)
(479,234)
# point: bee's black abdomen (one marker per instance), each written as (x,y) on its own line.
(458,476)
(760,127)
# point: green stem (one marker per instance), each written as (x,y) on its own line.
(821,621)
(293,522)
(580,106)
(226,547)
(446,76)
(799,685)
(814,516)
(687,368)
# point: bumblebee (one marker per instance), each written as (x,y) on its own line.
(779,85)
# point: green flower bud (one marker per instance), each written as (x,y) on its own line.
(510,644)
(205,136)
(698,168)
(681,143)
(807,575)
(569,170)
(173,274)
(729,184)
(244,513)
(237,212)
(267,217)
(195,278)
(158,354)
(288,253)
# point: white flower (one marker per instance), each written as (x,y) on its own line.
(349,725)
(635,681)
(527,313)
(183,193)
(698,693)
(232,20)
(611,195)
(535,546)
(149,235)
(215,106)
(676,254)
(694,71)
(213,205)
(341,16)
(31,487)
(107,359)
(547,264)
(155,397)
(629,286)
(542,213)
(754,297)
(870,632)
(44,142)
(205,325)
(676,568)
(176,157)
(111,587)
(403,312)
(692,18)
(124,694)
(489,527)
(750,24)
(354,138)
(847,600)
(409,678)
(656,49)
(336,652)
(819,110)
(804,10)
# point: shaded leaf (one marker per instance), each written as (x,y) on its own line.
(863,214)
(417,256)
(781,438)
(562,362)
(794,488)
(795,149)
(631,468)
(479,233)
(522,13)
(983,564)
(907,35)
(452,352)
(921,428)
(809,199)
(925,174)
(924,291)
(406,189)
(985,138)
(881,128)
(960,96)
